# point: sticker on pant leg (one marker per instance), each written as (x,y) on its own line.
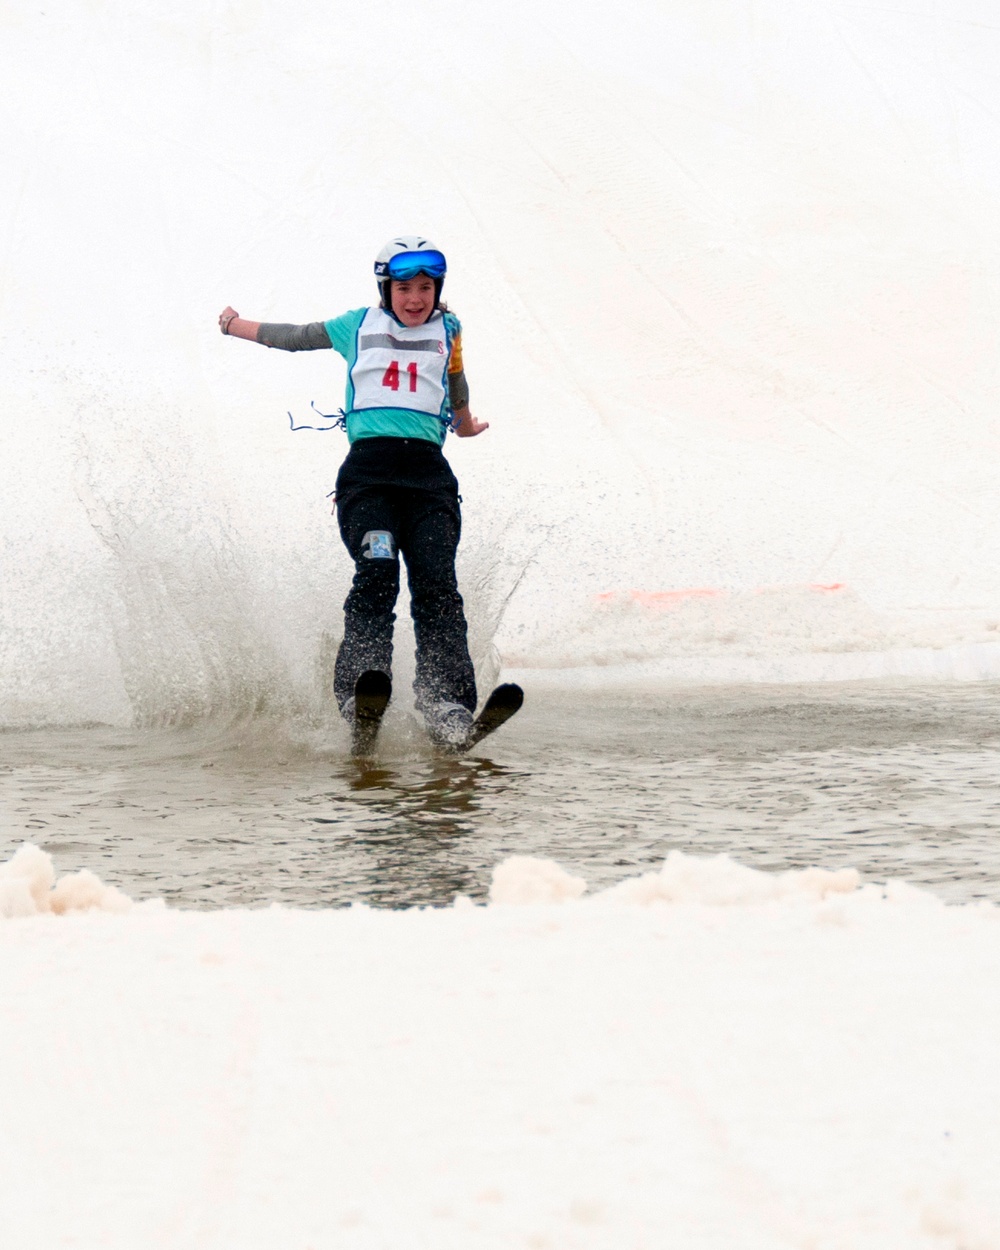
(378,545)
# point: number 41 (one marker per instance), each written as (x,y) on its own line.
(391,376)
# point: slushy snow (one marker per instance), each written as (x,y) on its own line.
(28,887)
(704,1056)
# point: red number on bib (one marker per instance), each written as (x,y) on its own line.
(391,376)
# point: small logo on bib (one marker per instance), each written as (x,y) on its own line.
(378,545)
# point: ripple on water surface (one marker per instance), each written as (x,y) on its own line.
(898,781)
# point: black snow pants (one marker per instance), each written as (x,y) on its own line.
(398,496)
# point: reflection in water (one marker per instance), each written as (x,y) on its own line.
(411,839)
(898,781)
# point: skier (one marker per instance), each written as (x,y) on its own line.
(395,492)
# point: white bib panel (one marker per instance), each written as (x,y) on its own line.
(401,366)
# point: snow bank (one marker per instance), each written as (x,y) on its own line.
(753,1060)
(706,627)
(28,887)
(525,879)
(717,880)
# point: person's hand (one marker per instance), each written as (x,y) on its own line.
(227,315)
(468,426)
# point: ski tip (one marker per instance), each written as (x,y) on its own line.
(372,692)
(509,695)
(373,682)
(498,709)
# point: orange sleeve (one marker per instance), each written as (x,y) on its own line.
(455,360)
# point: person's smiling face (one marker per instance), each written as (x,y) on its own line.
(413,299)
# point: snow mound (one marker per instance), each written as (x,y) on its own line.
(717,881)
(524,879)
(28,887)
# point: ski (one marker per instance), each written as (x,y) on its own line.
(372,691)
(498,709)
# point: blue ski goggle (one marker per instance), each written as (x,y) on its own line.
(408,264)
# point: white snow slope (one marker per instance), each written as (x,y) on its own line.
(728,275)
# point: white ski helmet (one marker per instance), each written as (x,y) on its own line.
(405,257)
